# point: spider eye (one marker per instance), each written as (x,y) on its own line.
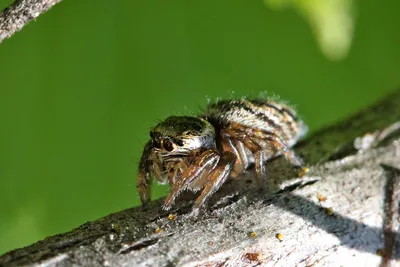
(167,145)
(179,142)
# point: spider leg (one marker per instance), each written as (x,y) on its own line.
(242,153)
(289,155)
(241,135)
(259,157)
(156,166)
(199,182)
(287,152)
(179,167)
(207,160)
(144,177)
(238,134)
(217,178)
(229,145)
(278,143)
(143,185)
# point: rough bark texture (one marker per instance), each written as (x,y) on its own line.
(13,18)
(344,212)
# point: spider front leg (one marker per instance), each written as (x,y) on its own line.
(204,162)
(143,185)
(144,177)
(176,170)
(217,178)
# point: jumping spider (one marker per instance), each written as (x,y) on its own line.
(202,152)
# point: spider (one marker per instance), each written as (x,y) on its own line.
(201,153)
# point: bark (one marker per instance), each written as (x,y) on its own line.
(344,212)
(13,18)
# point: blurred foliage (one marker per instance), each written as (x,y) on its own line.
(332,22)
(82,85)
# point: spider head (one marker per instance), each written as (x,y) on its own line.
(182,134)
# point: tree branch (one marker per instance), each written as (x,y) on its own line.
(13,18)
(344,212)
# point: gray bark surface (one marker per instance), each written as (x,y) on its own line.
(344,212)
(14,18)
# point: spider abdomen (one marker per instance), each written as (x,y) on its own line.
(258,115)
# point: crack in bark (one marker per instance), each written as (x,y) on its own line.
(139,245)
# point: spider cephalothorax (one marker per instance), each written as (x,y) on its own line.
(202,152)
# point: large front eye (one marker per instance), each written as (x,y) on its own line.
(167,145)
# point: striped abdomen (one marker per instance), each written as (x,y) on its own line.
(265,115)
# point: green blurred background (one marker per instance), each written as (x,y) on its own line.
(81,87)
